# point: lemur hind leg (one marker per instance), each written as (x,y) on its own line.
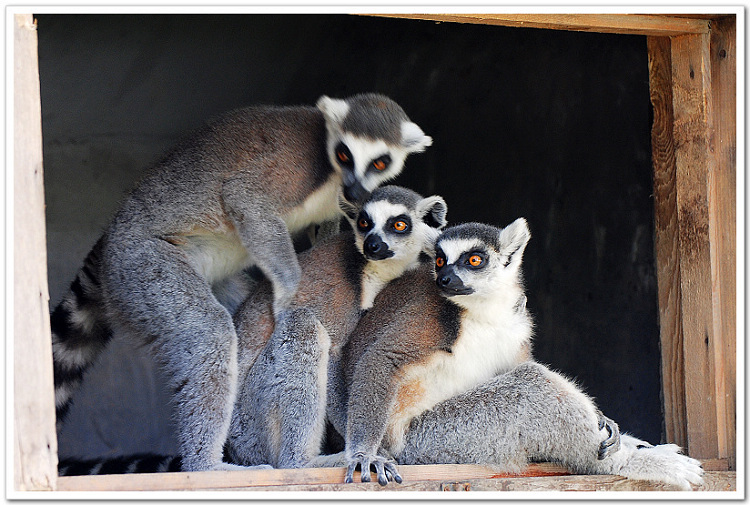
(156,294)
(533,414)
(279,417)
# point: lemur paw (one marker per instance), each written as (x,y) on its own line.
(385,468)
(611,444)
(663,463)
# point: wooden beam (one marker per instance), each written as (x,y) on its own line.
(692,103)
(693,89)
(631,24)
(722,202)
(279,477)
(538,477)
(666,241)
(34,436)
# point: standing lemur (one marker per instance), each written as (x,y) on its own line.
(284,369)
(226,198)
(439,370)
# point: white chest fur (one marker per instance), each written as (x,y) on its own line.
(321,205)
(486,346)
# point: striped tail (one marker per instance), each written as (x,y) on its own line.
(137,463)
(80,331)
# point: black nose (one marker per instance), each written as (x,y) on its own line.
(355,192)
(375,248)
(451,284)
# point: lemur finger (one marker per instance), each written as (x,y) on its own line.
(380,470)
(364,469)
(350,473)
(392,472)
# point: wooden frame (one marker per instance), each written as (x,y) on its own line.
(692,65)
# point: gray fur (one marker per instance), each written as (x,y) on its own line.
(372,116)
(528,414)
(289,370)
(426,384)
(228,197)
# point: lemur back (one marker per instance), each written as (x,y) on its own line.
(228,197)
(288,369)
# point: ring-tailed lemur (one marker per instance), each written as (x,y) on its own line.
(439,371)
(278,417)
(280,414)
(225,198)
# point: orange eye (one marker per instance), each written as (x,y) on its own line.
(362,223)
(475,260)
(379,164)
(399,225)
(342,156)
(440,262)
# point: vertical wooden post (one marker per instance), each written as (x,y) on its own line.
(722,201)
(34,436)
(693,145)
(666,239)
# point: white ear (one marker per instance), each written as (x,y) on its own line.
(514,237)
(334,109)
(413,138)
(432,211)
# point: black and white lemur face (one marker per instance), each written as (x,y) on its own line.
(397,225)
(475,262)
(369,138)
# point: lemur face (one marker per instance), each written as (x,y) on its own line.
(478,260)
(369,138)
(396,224)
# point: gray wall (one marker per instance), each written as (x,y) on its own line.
(552,126)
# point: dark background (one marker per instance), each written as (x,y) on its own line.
(549,125)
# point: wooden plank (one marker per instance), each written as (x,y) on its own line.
(722,228)
(632,24)
(416,478)
(34,436)
(666,239)
(691,100)
(280,477)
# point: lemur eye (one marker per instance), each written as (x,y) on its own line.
(475,260)
(381,163)
(400,225)
(344,155)
(439,262)
(363,223)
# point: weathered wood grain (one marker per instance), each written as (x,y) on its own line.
(692,104)
(666,242)
(722,196)
(443,478)
(34,436)
(633,24)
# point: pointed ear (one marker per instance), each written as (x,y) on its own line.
(413,138)
(334,109)
(513,239)
(432,211)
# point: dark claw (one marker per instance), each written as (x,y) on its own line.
(392,472)
(365,475)
(612,443)
(350,473)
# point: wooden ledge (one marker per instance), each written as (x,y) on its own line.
(629,24)
(537,477)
